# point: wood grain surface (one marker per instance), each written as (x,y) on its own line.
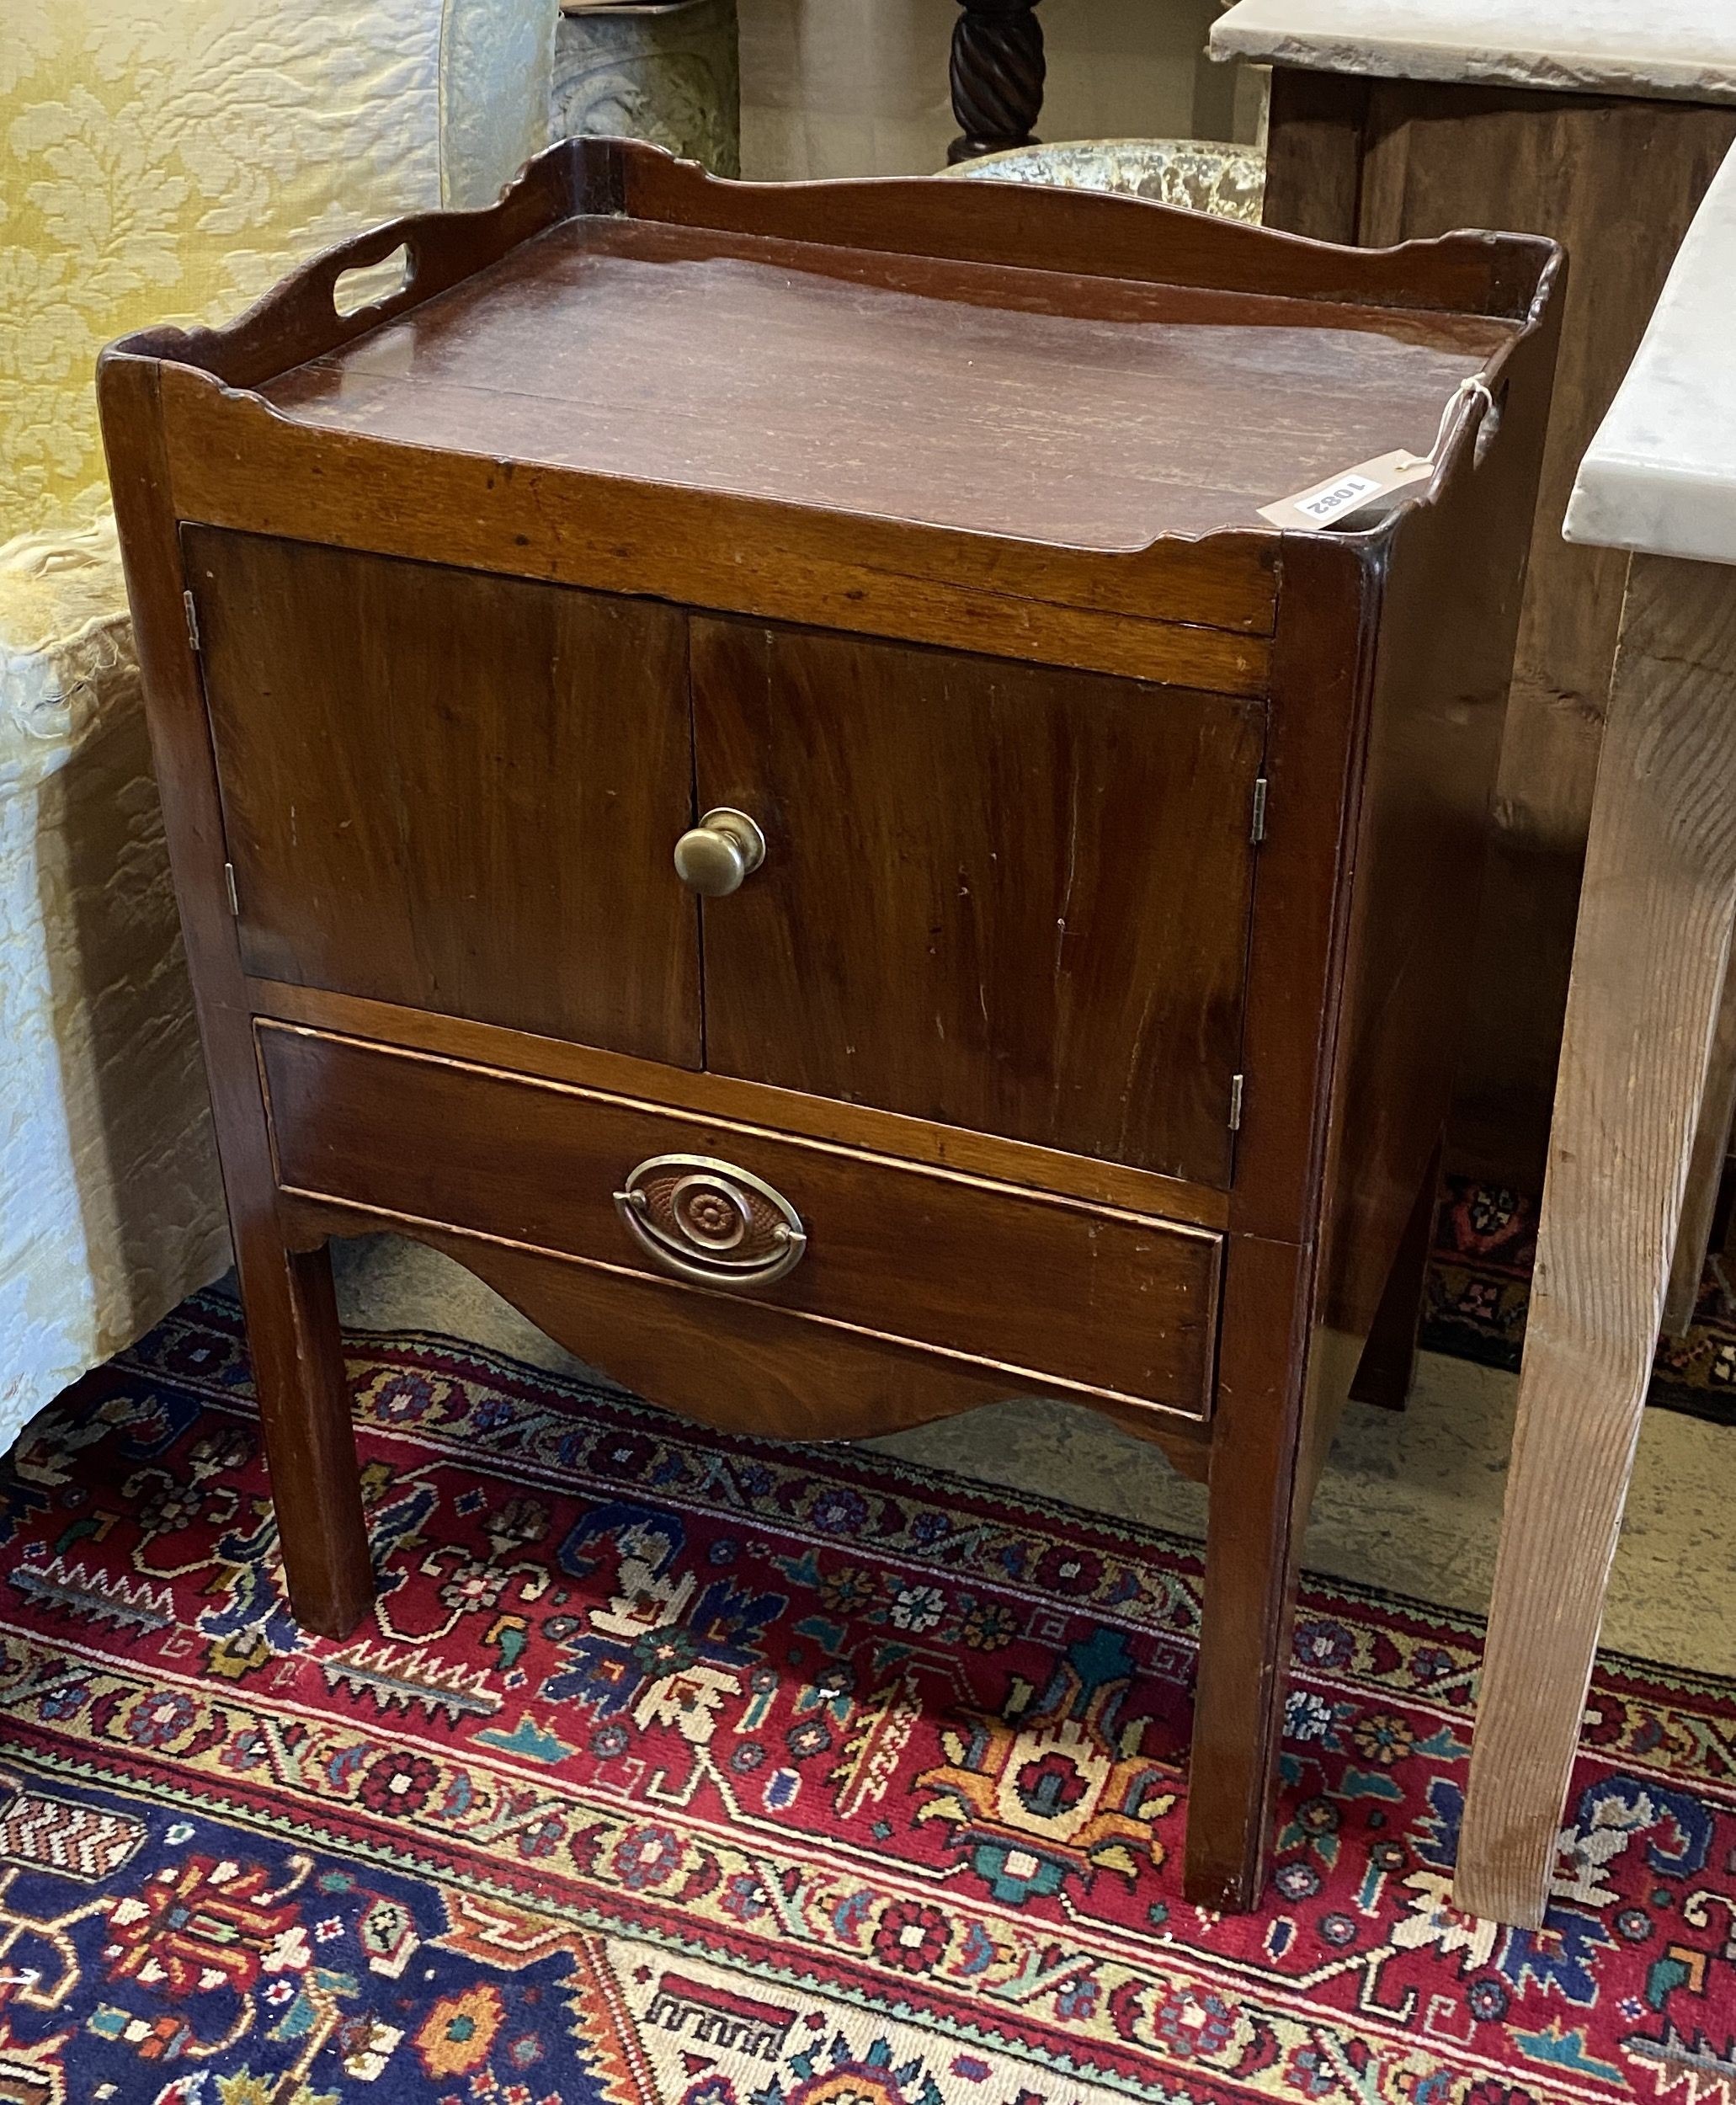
(991,1155)
(1616,182)
(1030,226)
(1314,148)
(292,1322)
(1321,667)
(1428,773)
(1053,949)
(1194,612)
(1706,1168)
(1648,975)
(455,792)
(1035,1290)
(655,359)
(731,1362)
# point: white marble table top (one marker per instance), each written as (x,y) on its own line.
(1661,473)
(1680,50)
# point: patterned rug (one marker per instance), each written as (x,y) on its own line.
(710,1771)
(1479,1284)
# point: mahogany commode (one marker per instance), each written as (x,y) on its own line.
(1058,988)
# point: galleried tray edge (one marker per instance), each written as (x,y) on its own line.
(235,461)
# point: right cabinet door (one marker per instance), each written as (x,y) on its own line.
(997,896)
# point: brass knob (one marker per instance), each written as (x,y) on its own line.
(719,854)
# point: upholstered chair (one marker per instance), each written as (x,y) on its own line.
(166,160)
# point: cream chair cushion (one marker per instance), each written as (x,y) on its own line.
(109,1206)
(165,160)
(168,160)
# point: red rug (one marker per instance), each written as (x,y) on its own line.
(710,1771)
(1478,1292)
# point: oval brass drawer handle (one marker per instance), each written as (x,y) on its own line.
(710,1223)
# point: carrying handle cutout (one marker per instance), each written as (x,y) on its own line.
(370,284)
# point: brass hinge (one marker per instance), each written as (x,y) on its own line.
(192,622)
(1259,809)
(235,896)
(1236,1081)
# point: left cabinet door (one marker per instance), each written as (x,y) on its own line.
(453,792)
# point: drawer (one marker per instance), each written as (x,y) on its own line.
(1052,1294)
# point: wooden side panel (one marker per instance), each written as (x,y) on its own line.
(292,1323)
(1617,182)
(1390,675)
(1314,153)
(1443,655)
(1001,898)
(452,791)
(1037,1290)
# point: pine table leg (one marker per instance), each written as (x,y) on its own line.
(1649,973)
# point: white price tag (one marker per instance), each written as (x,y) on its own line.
(1324,503)
(1340,496)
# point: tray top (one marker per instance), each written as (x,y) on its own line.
(1090,414)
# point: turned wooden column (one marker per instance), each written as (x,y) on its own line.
(997,76)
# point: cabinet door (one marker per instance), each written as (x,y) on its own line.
(999,896)
(453,792)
